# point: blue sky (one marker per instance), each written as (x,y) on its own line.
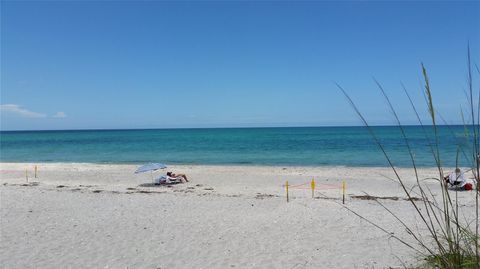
(148,64)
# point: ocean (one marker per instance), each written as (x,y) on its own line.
(302,146)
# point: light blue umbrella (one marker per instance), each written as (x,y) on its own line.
(150,167)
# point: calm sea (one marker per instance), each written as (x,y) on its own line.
(310,146)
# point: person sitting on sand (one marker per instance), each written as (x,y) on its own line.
(170,174)
(458,181)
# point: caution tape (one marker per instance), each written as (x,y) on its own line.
(313,187)
(318,186)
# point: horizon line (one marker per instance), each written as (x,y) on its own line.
(228,127)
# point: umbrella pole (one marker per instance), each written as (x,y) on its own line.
(151,175)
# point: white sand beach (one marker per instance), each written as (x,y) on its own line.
(104,216)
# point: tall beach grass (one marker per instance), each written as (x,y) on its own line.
(452,242)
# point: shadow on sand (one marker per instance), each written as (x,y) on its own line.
(157,185)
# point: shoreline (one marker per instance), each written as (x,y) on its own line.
(223,164)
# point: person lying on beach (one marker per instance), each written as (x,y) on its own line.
(170,174)
(458,181)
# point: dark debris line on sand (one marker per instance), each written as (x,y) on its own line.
(393,198)
(132,190)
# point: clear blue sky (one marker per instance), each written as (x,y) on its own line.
(148,64)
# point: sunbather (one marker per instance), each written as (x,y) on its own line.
(458,181)
(183,176)
(168,180)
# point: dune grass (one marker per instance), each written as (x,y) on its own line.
(451,242)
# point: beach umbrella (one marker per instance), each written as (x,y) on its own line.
(150,167)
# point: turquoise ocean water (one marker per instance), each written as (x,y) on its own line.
(309,146)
